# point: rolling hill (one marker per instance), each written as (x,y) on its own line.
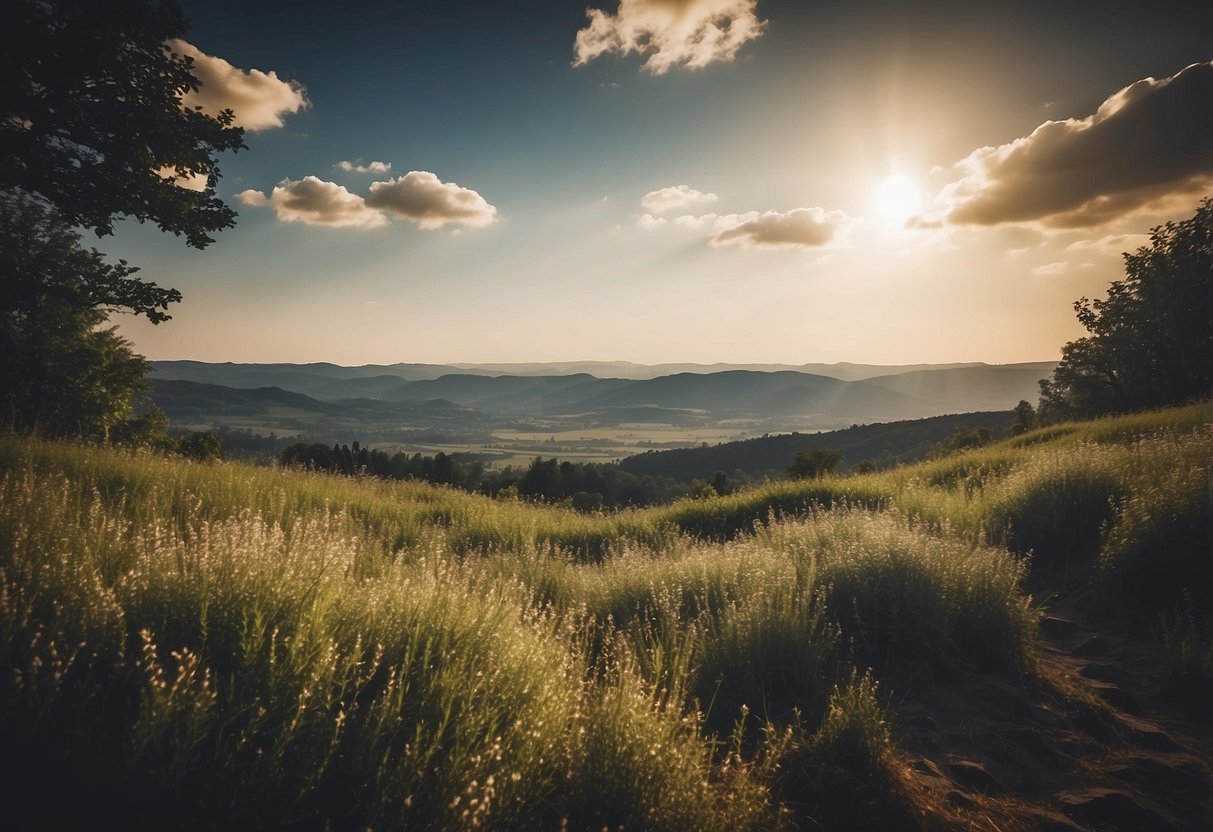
(883,444)
(795,399)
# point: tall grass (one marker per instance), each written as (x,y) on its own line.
(279,674)
(280,648)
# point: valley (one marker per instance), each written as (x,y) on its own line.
(505,420)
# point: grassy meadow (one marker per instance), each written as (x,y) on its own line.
(224,646)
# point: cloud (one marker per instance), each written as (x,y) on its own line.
(798,228)
(373,167)
(189,181)
(675,196)
(259,99)
(253,197)
(1114,244)
(313,201)
(693,221)
(1146,147)
(648,222)
(1050,269)
(421,197)
(672,33)
(923,222)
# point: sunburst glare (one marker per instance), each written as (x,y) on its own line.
(897,200)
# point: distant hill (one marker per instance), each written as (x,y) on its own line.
(272,408)
(749,393)
(228,373)
(182,400)
(626,369)
(300,378)
(789,399)
(982,387)
(884,444)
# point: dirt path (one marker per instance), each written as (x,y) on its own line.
(1103,739)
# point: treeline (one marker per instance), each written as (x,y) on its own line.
(585,486)
(862,446)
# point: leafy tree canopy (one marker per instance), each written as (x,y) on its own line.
(1151,341)
(815,462)
(62,374)
(91,117)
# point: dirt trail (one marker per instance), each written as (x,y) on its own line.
(1103,739)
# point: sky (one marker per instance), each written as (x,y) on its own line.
(741,181)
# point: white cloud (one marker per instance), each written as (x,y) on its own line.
(672,33)
(675,196)
(189,181)
(1050,269)
(1148,147)
(253,197)
(259,99)
(421,197)
(373,167)
(313,201)
(693,221)
(798,228)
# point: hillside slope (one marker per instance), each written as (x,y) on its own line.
(883,444)
(278,648)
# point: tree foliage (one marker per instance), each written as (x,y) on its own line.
(585,486)
(63,374)
(1151,341)
(1025,418)
(92,128)
(91,117)
(815,462)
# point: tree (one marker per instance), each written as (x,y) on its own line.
(1025,418)
(201,445)
(815,462)
(1151,341)
(62,374)
(92,128)
(964,438)
(91,118)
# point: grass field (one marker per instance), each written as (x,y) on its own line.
(276,648)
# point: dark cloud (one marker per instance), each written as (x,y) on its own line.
(1148,145)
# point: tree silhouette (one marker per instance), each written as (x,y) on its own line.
(92,128)
(1151,341)
(90,114)
(1025,418)
(61,374)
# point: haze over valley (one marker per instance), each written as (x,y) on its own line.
(563,410)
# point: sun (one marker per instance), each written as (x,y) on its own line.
(897,199)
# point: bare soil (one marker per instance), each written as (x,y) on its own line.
(1101,737)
